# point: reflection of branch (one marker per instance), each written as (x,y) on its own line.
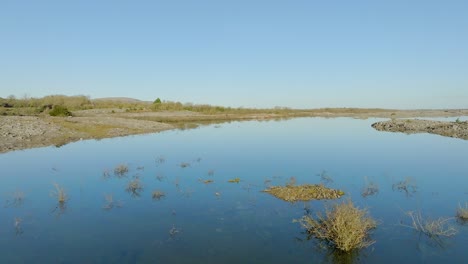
(59,209)
(16,200)
(18,228)
(405,186)
(110,203)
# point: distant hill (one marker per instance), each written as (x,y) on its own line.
(120,99)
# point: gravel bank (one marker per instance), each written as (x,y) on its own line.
(413,126)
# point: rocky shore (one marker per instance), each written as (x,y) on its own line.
(412,126)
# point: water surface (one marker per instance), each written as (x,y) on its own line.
(224,222)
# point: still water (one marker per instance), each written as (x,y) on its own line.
(223,222)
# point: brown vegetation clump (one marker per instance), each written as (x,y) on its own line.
(344,226)
(462,213)
(306,192)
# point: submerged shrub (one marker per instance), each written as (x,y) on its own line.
(59,110)
(433,228)
(344,227)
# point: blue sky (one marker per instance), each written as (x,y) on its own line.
(302,54)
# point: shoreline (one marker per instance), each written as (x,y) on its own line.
(25,132)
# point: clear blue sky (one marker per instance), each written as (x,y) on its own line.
(264,53)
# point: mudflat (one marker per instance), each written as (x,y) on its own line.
(23,132)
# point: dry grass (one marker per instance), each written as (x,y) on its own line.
(462,213)
(60,194)
(305,192)
(433,228)
(344,226)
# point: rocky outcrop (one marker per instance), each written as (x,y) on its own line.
(412,126)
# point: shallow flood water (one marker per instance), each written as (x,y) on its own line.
(198,221)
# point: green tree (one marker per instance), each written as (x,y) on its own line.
(157,101)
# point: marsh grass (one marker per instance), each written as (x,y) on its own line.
(344,227)
(157,195)
(59,194)
(235,180)
(16,199)
(407,186)
(462,213)
(134,187)
(304,192)
(121,170)
(433,228)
